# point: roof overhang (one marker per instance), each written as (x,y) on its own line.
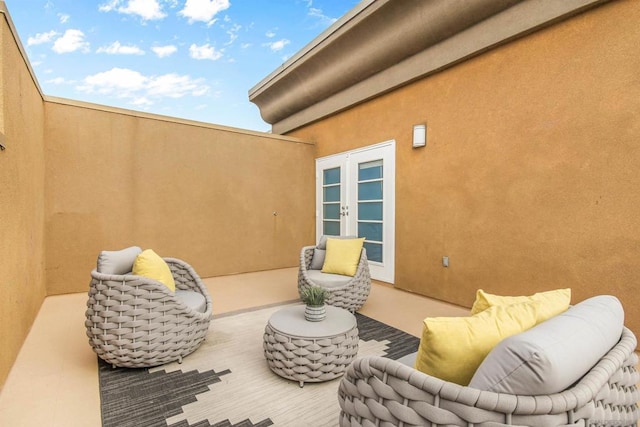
(381,45)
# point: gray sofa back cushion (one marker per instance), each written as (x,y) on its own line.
(117,262)
(553,355)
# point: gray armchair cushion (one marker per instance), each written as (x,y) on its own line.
(117,262)
(318,259)
(322,244)
(328,280)
(553,355)
(194,300)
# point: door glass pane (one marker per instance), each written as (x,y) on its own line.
(331,194)
(331,176)
(370,230)
(370,170)
(331,228)
(331,211)
(374,251)
(370,190)
(370,211)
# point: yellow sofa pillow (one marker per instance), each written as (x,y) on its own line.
(452,348)
(149,264)
(342,256)
(553,302)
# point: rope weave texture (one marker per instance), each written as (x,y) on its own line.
(136,322)
(309,360)
(376,391)
(351,296)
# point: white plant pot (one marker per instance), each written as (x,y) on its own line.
(315,313)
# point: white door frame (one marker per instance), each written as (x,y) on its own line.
(348,162)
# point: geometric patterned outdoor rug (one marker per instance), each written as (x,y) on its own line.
(227,382)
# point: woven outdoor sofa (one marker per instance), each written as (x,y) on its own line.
(133,321)
(377,391)
(345,292)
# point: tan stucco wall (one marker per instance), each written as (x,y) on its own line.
(200,193)
(77,178)
(530,177)
(22,278)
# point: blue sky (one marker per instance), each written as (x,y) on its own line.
(192,59)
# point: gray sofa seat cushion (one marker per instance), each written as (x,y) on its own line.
(194,300)
(328,280)
(409,360)
(553,355)
(117,262)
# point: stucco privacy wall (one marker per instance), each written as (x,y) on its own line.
(200,192)
(22,279)
(529,180)
(223,199)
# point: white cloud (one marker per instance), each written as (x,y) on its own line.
(204,52)
(270,34)
(233,33)
(277,45)
(164,51)
(57,81)
(117,81)
(143,100)
(63,18)
(175,86)
(116,48)
(109,6)
(140,89)
(41,38)
(71,41)
(324,19)
(203,10)
(146,9)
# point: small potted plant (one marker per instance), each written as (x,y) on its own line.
(314,298)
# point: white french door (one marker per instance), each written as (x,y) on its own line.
(355,195)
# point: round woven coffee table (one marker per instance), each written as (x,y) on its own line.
(306,351)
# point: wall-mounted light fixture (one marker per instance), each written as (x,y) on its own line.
(419,136)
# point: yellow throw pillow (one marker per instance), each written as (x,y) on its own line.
(553,302)
(342,256)
(149,264)
(452,348)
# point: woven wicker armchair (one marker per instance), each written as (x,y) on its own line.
(380,391)
(350,296)
(136,322)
